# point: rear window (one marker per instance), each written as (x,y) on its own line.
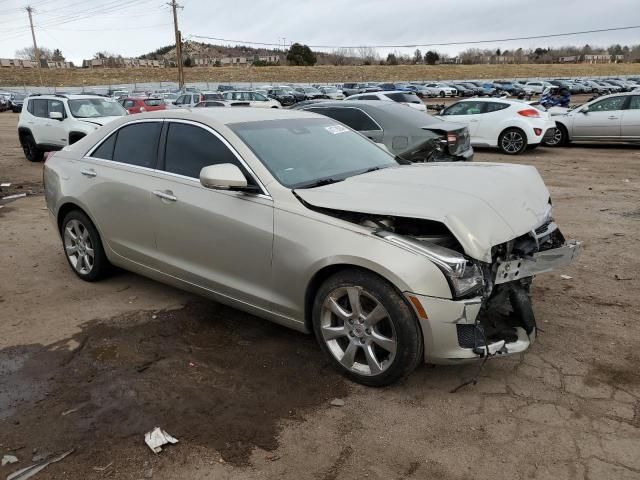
(153,102)
(212,96)
(403,97)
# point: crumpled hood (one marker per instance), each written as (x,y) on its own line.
(98,120)
(482,204)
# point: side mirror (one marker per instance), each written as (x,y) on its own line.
(55,115)
(585,109)
(224,176)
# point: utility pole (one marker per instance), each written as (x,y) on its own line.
(36,52)
(174,5)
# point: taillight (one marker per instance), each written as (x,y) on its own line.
(529,112)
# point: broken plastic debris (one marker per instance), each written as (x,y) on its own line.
(11,198)
(566,277)
(156,438)
(9,459)
(337,402)
(29,472)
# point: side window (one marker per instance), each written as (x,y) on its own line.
(189,149)
(608,104)
(40,108)
(180,100)
(354,118)
(495,107)
(137,144)
(463,108)
(128,103)
(634,104)
(105,150)
(56,106)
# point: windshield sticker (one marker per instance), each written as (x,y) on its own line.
(335,129)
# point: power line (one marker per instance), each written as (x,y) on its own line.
(413,45)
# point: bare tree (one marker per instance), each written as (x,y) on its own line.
(28,53)
(368,55)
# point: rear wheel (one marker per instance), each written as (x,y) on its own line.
(366,328)
(30,149)
(512,141)
(83,247)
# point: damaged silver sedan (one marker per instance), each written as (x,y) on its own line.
(295,218)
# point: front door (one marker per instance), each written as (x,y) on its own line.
(218,240)
(468,113)
(602,120)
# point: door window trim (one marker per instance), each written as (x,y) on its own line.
(345,107)
(90,156)
(265,193)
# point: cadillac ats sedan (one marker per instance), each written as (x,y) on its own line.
(296,218)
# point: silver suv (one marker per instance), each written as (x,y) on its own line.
(51,122)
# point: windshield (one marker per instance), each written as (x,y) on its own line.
(330,89)
(95,108)
(303,151)
(19,96)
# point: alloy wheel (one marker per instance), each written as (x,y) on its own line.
(78,247)
(358,331)
(512,142)
(556,139)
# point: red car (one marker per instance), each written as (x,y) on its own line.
(139,105)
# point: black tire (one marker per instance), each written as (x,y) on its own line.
(442,95)
(560,138)
(399,324)
(100,266)
(512,141)
(30,149)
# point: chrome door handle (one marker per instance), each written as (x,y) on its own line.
(168,195)
(613,118)
(88,173)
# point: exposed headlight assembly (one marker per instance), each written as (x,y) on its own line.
(463,275)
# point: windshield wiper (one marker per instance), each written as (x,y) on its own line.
(321,183)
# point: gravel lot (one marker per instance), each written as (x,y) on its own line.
(95,366)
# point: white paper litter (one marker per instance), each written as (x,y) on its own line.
(156,438)
(5,185)
(566,277)
(9,459)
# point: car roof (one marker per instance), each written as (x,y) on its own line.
(224,116)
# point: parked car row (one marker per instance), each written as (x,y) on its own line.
(11,101)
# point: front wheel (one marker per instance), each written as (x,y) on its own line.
(366,328)
(441,94)
(30,149)
(512,141)
(560,137)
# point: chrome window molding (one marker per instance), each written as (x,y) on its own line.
(264,194)
(352,108)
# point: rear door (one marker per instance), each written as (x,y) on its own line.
(39,110)
(219,240)
(354,118)
(630,125)
(601,121)
(117,177)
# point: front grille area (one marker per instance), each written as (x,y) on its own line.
(543,228)
(466,335)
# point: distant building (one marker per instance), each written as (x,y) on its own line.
(597,58)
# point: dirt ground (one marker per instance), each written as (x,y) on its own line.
(92,367)
(319,74)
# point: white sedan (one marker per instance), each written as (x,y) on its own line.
(406,98)
(509,125)
(442,89)
(255,99)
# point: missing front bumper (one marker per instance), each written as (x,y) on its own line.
(539,262)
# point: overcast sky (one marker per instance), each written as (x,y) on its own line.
(133,27)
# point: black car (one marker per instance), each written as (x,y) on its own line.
(281,95)
(16,101)
(297,96)
(407,133)
(226,88)
(478,91)
(463,90)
